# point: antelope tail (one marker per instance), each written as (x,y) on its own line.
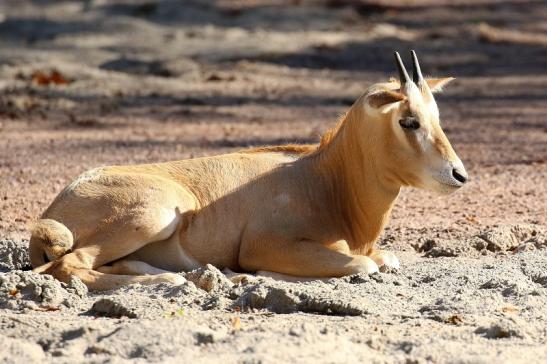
(49,240)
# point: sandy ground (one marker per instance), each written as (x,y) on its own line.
(146,81)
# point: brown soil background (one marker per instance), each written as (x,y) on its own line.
(161,80)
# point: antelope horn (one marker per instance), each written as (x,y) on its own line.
(416,71)
(403,75)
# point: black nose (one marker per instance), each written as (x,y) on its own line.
(459,176)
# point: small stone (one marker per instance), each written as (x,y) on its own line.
(501,330)
(112,308)
(209,278)
(77,287)
(205,336)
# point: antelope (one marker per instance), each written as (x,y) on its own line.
(294,211)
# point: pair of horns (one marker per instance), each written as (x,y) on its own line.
(403,74)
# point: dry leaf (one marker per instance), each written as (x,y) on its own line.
(471,218)
(236,323)
(510,309)
(44,79)
(14,292)
(177,313)
(57,78)
(454,320)
(47,309)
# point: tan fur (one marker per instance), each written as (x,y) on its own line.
(288,148)
(49,241)
(294,210)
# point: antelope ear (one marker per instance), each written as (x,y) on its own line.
(437,84)
(382,98)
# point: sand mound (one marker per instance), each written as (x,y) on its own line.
(28,290)
(498,239)
(13,255)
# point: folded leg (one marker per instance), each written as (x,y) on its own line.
(303,258)
(133,267)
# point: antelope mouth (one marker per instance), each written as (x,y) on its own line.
(451,184)
(454,185)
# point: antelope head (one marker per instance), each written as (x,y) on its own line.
(414,149)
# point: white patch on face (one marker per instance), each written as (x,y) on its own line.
(422,135)
(399,132)
(424,106)
(414,95)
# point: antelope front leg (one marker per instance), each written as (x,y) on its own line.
(303,258)
(383,258)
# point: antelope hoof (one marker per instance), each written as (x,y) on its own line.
(385,259)
(172,278)
(237,278)
(368,266)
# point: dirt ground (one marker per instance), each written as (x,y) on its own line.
(91,83)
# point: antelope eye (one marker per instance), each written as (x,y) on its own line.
(409,123)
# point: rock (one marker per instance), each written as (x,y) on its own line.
(358,278)
(26,289)
(274,299)
(328,306)
(526,231)
(508,287)
(216,302)
(539,241)
(536,274)
(77,287)
(505,328)
(210,279)
(499,240)
(75,333)
(283,297)
(441,251)
(112,308)
(205,336)
(13,255)
(525,247)
(504,238)
(434,248)
(375,343)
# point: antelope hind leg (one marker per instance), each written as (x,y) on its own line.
(238,278)
(110,244)
(77,264)
(131,267)
(246,277)
(287,278)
